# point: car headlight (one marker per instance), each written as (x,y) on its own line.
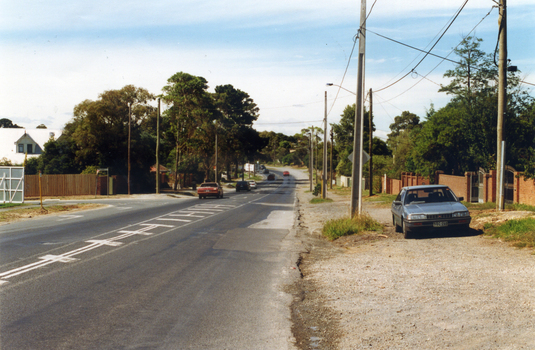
(461,214)
(417,217)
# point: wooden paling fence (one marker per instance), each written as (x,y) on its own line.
(60,185)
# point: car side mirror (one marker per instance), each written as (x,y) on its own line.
(461,199)
(396,202)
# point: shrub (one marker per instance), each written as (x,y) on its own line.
(337,228)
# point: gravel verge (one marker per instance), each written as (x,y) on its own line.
(380,291)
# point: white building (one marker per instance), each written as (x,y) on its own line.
(16,143)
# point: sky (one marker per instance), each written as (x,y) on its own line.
(55,54)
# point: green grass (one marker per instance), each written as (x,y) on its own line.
(521,233)
(337,228)
(320,200)
(10,205)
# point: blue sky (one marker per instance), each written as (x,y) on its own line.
(56,54)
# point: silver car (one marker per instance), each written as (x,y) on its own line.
(427,207)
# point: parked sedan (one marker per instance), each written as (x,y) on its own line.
(210,189)
(427,207)
(252,183)
(242,186)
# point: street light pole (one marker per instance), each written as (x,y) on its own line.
(310,160)
(324,175)
(215,123)
(129,132)
(158,150)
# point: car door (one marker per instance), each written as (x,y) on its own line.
(397,209)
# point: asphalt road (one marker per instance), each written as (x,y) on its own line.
(157,273)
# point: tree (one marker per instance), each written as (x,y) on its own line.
(41,126)
(99,129)
(189,116)
(462,135)
(238,112)
(405,121)
(343,138)
(6,123)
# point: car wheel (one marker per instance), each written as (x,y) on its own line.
(237,190)
(406,232)
(396,226)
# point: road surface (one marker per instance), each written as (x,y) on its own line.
(161,273)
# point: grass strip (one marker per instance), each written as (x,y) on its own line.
(521,232)
(346,226)
(320,200)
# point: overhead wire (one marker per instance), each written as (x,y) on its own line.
(355,38)
(428,52)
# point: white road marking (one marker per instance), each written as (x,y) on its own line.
(205,209)
(70,217)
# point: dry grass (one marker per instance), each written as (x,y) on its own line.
(28,213)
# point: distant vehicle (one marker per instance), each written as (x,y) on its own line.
(242,186)
(271,177)
(427,207)
(265,171)
(286,173)
(252,183)
(210,189)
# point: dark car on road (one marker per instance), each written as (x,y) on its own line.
(426,207)
(271,177)
(243,186)
(210,189)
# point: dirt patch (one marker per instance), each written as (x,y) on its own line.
(17,214)
(483,217)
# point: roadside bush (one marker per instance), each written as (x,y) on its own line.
(337,228)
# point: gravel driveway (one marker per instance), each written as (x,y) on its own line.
(385,292)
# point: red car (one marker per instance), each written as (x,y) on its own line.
(286,173)
(210,189)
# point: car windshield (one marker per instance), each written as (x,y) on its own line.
(209,184)
(429,195)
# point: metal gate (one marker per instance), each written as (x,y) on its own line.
(508,186)
(11,184)
(481,179)
(474,187)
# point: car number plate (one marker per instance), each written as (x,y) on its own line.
(440,224)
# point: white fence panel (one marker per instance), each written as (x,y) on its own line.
(11,184)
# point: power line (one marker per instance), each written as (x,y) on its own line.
(349,59)
(431,49)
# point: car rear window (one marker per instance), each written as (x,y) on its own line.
(210,184)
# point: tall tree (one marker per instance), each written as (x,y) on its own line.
(100,131)
(190,109)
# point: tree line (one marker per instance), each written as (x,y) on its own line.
(456,138)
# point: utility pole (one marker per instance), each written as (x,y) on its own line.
(370,119)
(324,174)
(502,101)
(215,122)
(310,160)
(356,191)
(158,150)
(129,131)
(331,176)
